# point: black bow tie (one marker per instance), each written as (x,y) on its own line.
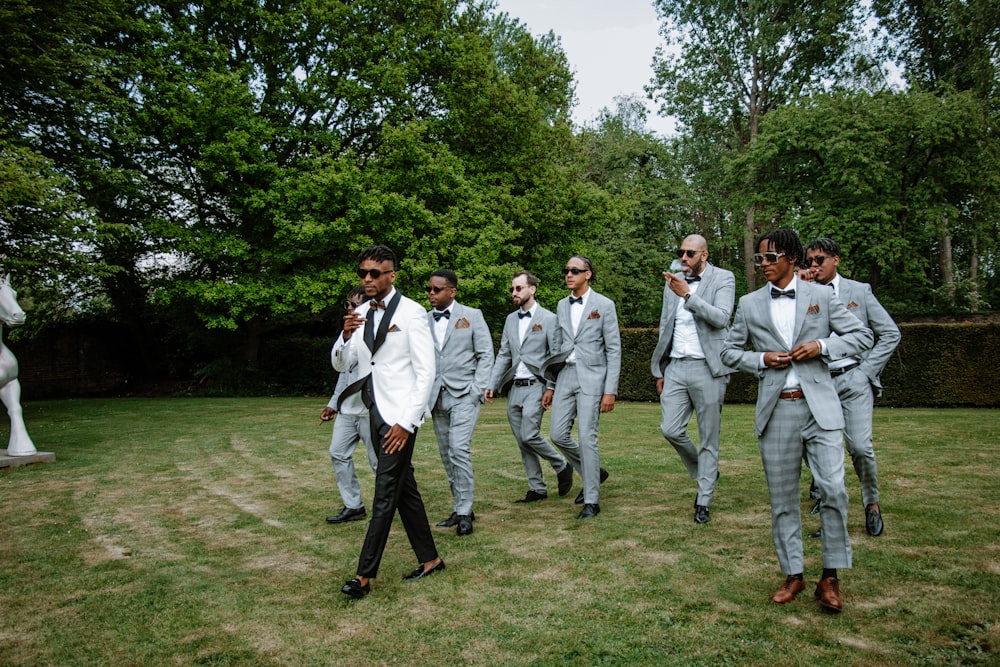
(692,279)
(524,313)
(375,305)
(576,299)
(777,293)
(446,314)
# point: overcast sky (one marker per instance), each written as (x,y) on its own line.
(609,44)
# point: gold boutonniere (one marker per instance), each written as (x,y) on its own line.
(462,323)
(813,309)
(594,315)
(851,305)
(536,327)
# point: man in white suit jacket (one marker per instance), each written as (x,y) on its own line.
(687,363)
(588,366)
(790,324)
(857,378)
(531,334)
(464,361)
(395,357)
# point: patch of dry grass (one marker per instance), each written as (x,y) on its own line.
(191,531)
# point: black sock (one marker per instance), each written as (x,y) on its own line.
(798,576)
(829,572)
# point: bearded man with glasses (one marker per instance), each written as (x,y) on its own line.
(857,377)
(531,335)
(790,325)
(687,363)
(586,371)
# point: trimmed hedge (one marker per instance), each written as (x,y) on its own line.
(935,365)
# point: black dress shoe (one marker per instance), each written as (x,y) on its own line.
(532,497)
(818,534)
(701,514)
(873,521)
(419,573)
(453,520)
(815,508)
(565,477)
(347,514)
(354,589)
(464,525)
(604,476)
(589,510)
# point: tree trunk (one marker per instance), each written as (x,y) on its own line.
(748,250)
(974,276)
(945,262)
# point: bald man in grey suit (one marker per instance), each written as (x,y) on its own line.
(687,363)
(790,325)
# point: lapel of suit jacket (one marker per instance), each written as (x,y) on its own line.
(383,326)
(763,298)
(584,317)
(803,298)
(514,336)
(456,314)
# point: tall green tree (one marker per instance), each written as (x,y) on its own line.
(727,63)
(877,172)
(944,46)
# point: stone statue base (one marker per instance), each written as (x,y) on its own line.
(14,461)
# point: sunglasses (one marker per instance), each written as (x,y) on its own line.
(690,253)
(771,257)
(575,271)
(818,259)
(517,288)
(434,289)
(374,273)
(351,305)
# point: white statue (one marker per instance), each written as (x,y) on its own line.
(10,389)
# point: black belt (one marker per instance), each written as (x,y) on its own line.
(525,382)
(834,372)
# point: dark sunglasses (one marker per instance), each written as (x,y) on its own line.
(350,305)
(434,288)
(771,257)
(818,259)
(575,271)
(517,288)
(374,273)
(690,253)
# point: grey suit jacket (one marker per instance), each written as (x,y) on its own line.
(541,342)
(861,302)
(597,344)
(465,359)
(817,314)
(712,307)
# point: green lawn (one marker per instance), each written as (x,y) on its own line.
(191,531)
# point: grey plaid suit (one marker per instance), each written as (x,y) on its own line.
(698,385)
(857,387)
(464,360)
(787,429)
(524,403)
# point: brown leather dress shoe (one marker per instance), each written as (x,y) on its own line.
(792,587)
(828,594)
